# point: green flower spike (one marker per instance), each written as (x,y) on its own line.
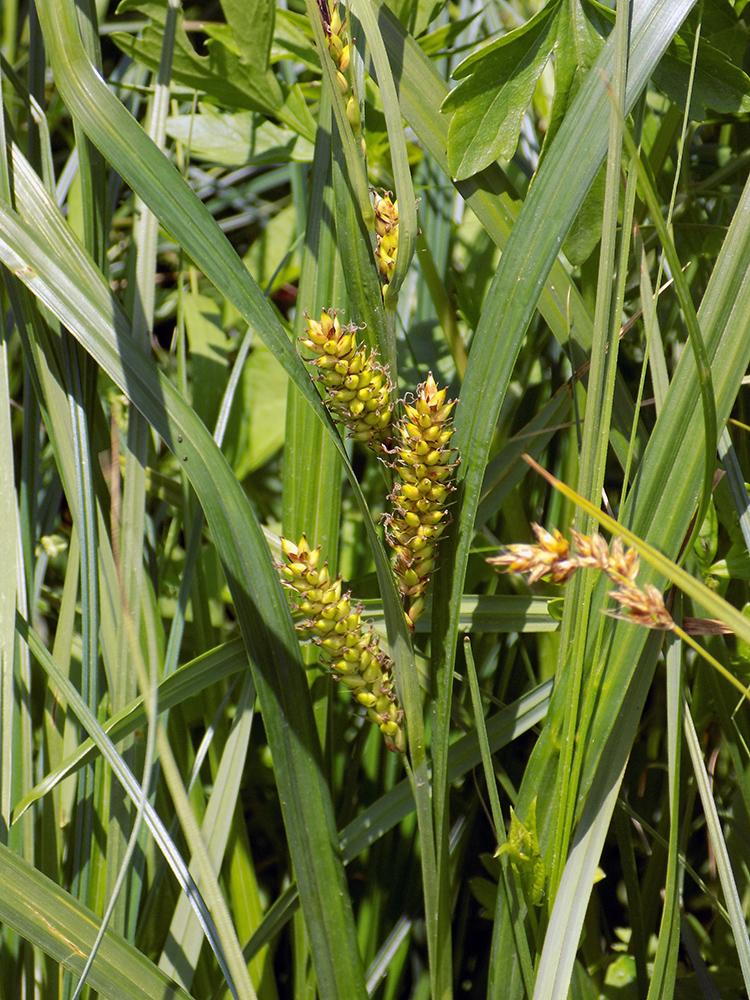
(358,389)
(424,463)
(350,648)
(386,228)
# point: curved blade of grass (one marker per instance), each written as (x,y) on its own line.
(362,281)
(311,487)
(502,728)
(355,218)
(723,864)
(691,322)
(660,508)
(668,943)
(509,888)
(563,935)
(184,930)
(8,559)
(128,781)
(421,92)
(187,681)
(353,155)
(41,912)
(259,602)
(503,472)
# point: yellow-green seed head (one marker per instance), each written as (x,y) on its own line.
(424,463)
(349,647)
(386,213)
(358,390)
(386,228)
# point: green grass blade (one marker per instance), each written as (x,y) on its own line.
(261,608)
(510,890)
(178,208)
(668,946)
(383,815)
(41,912)
(185,931)
(549,210)
(125,776)
(311,488)
(723,864)
(189,680)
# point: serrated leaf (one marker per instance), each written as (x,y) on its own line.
(489,106)
(719,86)
(251,23)
(221,74)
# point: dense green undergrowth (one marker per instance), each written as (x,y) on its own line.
(396,280)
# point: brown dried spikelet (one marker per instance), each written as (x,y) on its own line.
(552,558)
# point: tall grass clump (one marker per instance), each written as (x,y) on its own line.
(315,317)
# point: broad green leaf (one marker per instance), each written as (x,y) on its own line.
(256,428)
(234,139)
(720,86)
(581,31)
(489,106)
(222,74)
(251,26)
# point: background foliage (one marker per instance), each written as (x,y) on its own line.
(181,184)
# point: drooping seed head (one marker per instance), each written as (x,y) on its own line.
(349,647)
